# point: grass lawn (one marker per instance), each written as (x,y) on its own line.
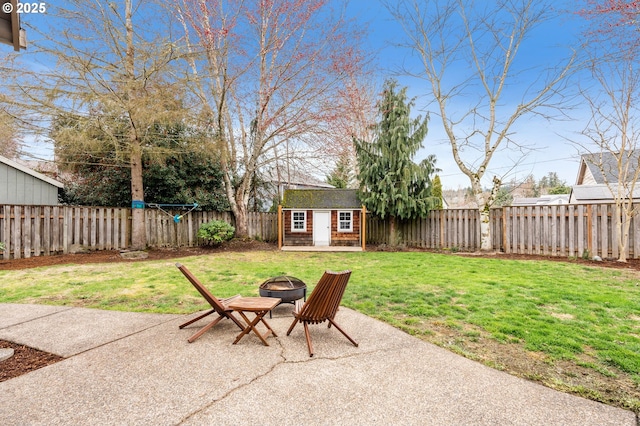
(572,327)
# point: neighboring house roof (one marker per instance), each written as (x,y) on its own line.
(597,169)
(543,200)
(30,172)
(305,185)
(321,199)
(595,194)
(294,179)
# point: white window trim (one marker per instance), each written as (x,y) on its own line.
(304,222)
(350,221)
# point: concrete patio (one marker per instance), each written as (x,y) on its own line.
(134,368)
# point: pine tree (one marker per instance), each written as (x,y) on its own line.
(340,177)
(391,184)
(437,193)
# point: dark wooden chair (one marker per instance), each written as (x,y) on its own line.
(220,306)
(322,305)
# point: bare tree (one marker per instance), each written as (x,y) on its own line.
(108,62)
(269,74)
(9,132)
(8,136)
(355,122)
(468,53)
(612,135)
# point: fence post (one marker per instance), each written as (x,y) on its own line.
(363,230)
(279,226)
(441,245)
(589,231)
(505,239)
(6,232)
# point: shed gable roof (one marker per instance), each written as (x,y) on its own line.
(321,199)
(30,172)
(604,166)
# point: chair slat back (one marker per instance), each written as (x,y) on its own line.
(325,298)
(213,301)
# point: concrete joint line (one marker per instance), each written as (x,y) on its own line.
(38,318)
(122,337)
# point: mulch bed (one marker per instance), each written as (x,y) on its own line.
(24,360)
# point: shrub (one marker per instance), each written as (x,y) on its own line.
(216,232)
(2,246)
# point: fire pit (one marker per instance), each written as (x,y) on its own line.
(289,289)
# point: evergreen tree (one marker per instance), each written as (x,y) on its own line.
(173,170)
(503,197)
(391,184)
(340,177)
(437,193)
(552,184)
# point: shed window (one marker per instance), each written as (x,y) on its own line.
(345,221)
(299,221)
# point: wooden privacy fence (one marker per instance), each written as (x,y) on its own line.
(46,230)
(565,230)
(442,229)
(562,230)
(558,230)
(162,231)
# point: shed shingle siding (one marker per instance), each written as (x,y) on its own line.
(332,201)
(345,238)
(298,238)
(337,238)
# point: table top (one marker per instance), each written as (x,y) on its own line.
(253,304)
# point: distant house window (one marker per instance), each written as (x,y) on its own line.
(345,221)
(299,221)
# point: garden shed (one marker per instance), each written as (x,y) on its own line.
(321,218)
(21,185)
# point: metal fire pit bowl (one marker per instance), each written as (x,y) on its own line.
(289,289)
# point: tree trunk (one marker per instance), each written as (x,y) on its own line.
(623,224)
(485,231)
(242,230)
(138,229)
(484,205)
(393,233)
(238,202)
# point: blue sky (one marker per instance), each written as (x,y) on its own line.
(553,153)
(547,45)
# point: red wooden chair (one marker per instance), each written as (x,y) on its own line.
(220,306)
(322,305)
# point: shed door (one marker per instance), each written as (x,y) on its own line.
(321,228)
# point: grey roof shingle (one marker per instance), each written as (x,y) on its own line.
(321,199)
(609,170)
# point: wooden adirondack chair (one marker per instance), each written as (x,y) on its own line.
(322,305)
(220,306)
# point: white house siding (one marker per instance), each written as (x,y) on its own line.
(588,178)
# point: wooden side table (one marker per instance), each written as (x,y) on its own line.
(259,306)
